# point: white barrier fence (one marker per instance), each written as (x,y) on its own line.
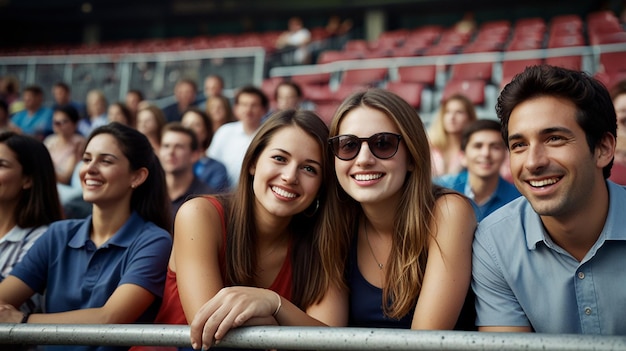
(303,338)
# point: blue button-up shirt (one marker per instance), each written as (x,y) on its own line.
(522,278)
(504,193)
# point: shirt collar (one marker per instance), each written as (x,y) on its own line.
(122,238)
(613,226)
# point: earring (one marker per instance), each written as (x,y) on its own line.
(317,206)
(132,186)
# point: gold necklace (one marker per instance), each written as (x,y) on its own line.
(367,238)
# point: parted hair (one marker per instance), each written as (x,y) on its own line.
(595,111)
(150,199)
(38,205)
(309,282)
(414,215)
(436,132)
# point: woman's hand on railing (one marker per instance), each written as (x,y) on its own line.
(232,307)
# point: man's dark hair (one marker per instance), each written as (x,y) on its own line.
(477,126)
(595,111)
(251,89)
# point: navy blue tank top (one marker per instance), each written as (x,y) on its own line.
(366,300)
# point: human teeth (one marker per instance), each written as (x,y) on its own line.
(92,182)
(283,193)
(543,182)
(367,176)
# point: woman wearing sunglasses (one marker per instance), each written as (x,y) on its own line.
(408,242)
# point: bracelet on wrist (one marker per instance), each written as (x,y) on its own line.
(280,304)
(25,318)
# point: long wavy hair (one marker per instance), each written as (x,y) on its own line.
(438,136)
(38,205)
(150,199)
(309,282)
(413,222)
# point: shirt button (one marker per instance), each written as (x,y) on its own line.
(587,310)
(581,275)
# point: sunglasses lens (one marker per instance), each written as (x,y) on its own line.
(383,145)
(346,147)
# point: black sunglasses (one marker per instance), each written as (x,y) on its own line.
(382,145)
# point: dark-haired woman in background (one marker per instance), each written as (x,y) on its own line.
(28,200)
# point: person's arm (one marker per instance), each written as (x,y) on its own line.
(127,303)
(238,306)
(448,269)
(197,244)
(497,307)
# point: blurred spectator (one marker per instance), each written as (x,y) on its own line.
(213,86)
(178,153)
(133,98)
(467,24)
(61,93)
(297,38)
(118,112)
(337,32)
(210,171)
(65,145)
(10,92)
(5,122)
(231,140)
(484,152)
(28,203)
(71,196)
(288,95)
(35,119)
(445,134)
(185,94)
(618,95)
(150,122)
(220,112)
(96,113)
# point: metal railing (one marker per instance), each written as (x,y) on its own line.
(155,74)
(303,338)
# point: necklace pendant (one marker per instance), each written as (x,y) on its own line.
(380,266)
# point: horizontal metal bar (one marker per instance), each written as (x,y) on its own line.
(304,338)
(389,62)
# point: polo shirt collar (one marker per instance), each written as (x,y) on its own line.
(123,238)
(613,226)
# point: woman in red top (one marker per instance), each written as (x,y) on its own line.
(251,258)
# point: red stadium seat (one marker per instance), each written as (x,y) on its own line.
(473,89)
(471,71)
(411,92)
(571,62)
(315,78)
(369,76)
(326,111)
(511,68)
(418,74)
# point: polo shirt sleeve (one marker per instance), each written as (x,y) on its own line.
(496,303)
(147,259)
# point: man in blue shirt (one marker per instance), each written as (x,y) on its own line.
(35,119)
(552,260)
(484,153)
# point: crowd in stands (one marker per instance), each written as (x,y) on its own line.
(262,211)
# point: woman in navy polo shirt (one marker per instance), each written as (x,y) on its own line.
(109,267)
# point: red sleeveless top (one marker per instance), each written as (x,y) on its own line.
(171,311)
